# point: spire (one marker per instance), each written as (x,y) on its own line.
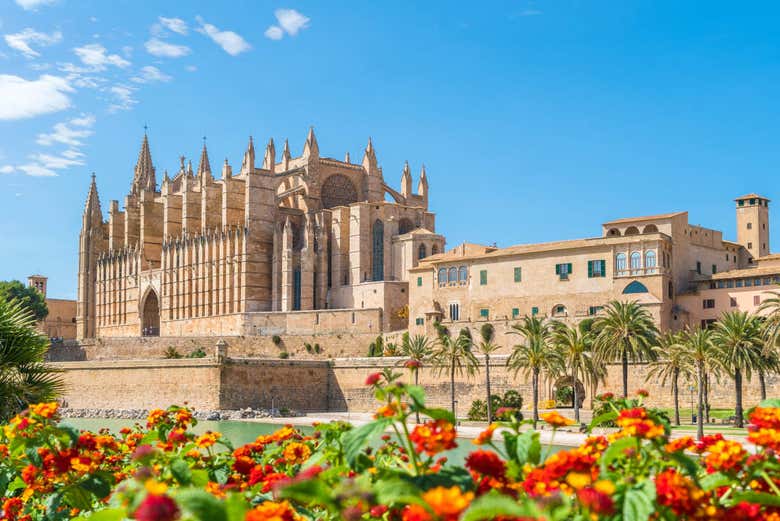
(369,158)
(143,178)
(227,172)
(248,164)
(286,156)
(406,180)
(422,186)
(204,167)
(93,216)
(346,157)
(189,168)
(269,160)
(311,148)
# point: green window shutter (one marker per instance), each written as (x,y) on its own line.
(518,274)
(419,281)
(603,268)
(590,269)
(534,311)
(557,269)
(569,267)
(515,312)
(483,313)
(483,277)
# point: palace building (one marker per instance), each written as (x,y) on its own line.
(307,241)
(684,274)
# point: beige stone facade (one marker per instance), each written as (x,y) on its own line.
(60,323)
(241,254)
(665,263)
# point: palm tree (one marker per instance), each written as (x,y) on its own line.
(487,346)
(672,361)
(454,355)
(417,350)
(737,338)
(534,355)
(574,345)
(625,332)
(24,376)
(701,353)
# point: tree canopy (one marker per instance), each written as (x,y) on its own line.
(29,297)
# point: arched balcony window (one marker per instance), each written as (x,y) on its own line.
(559,310)
(636,262)
(453,275)
(442,277)
(650,261)
(463,275)
(620,263)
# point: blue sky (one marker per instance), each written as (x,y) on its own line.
(536,120)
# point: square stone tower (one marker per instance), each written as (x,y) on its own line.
(753,224)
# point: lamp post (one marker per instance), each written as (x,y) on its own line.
(693,413)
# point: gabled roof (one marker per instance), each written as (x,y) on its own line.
(645,218)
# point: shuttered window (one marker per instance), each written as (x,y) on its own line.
(597,268)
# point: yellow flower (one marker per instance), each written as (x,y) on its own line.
(556,420)
(46,410)
(604,486)
(273,511)
(448,502)
(296,452)
(155,487)
(207,439)
(155,417)
(578,480)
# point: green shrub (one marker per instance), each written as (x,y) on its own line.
(197,353)
(307,346)
(277,340)
(172,353)
(317,348)
(284,355)
(510,400)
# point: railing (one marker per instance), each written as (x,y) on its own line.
(639,272)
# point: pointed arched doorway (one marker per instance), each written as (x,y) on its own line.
(150,315)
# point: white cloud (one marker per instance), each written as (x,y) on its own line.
(6,169)
(94,55)
(291,20)
(67,135)
(150,74)
(93,19)
(123,95)
(232,43)
(176,25)
(20,98)
(22,41)
(31,5)
(274,33)
(191,68)
(157,47)
(36,170)
(55,162)
(72,154)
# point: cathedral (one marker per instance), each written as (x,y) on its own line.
(306,240)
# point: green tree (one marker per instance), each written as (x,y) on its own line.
(672,361)
(24,376)
(417,350)
(626,332)
(486,347)
(574,345)
(737,337)
(455,357)
(28,296)
(534,355)
(701,353)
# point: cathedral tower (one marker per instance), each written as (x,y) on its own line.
(753,224)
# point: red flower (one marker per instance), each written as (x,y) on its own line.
(486,463)
(434,437)
(644,393)
(378,510)
(373,378)
(595,501)
(413,364)
(157,508)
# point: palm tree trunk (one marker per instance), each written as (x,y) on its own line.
(625,373)
(762,383)
(676,393)
(416,384)
(707,397)
(452,385)
(535,392)
(575,394)
(700,407)
(738,388)
(487,386)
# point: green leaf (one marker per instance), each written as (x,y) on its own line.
(221,475)
(201,505)
(396,491)
(110,514)
(200,477)
(446,477)
(493,504)
(16,484)
(439,414)
(770,403)
(417,394)
(760,498)
(638,503)
(181,471)
(615,450)
(690,466)
(529,448)
(236,507)
(78,497)
(711,481)
(356,440)
(99,484)
(604,418)
(309,491)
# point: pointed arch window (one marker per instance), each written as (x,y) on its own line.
(378,251)
(422,252)
(635,287)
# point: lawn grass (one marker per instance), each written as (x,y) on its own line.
(715,414)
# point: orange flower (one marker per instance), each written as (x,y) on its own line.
(680,444)
(485,436)
(448,503)
(433,437)
(725,455)
(769,438)
(207,439)
(46,410)
(391,409)
(680,494)
(635,422)
(296,453)
(556,420)
(155,417)
(273,511)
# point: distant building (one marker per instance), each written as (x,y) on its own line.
(307,243)
(60,323)
(684,274)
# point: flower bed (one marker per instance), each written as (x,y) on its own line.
(386,469)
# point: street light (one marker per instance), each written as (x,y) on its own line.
(693,414)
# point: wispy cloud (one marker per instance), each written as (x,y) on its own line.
(232,43)
(57,162)
(150,74)
(21,98)
(7,169)
(95,56)
(163,49)
(69,133)
(32,5)
(24,40)
(123,98)
(36,170)
(177,25)
(289,21)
